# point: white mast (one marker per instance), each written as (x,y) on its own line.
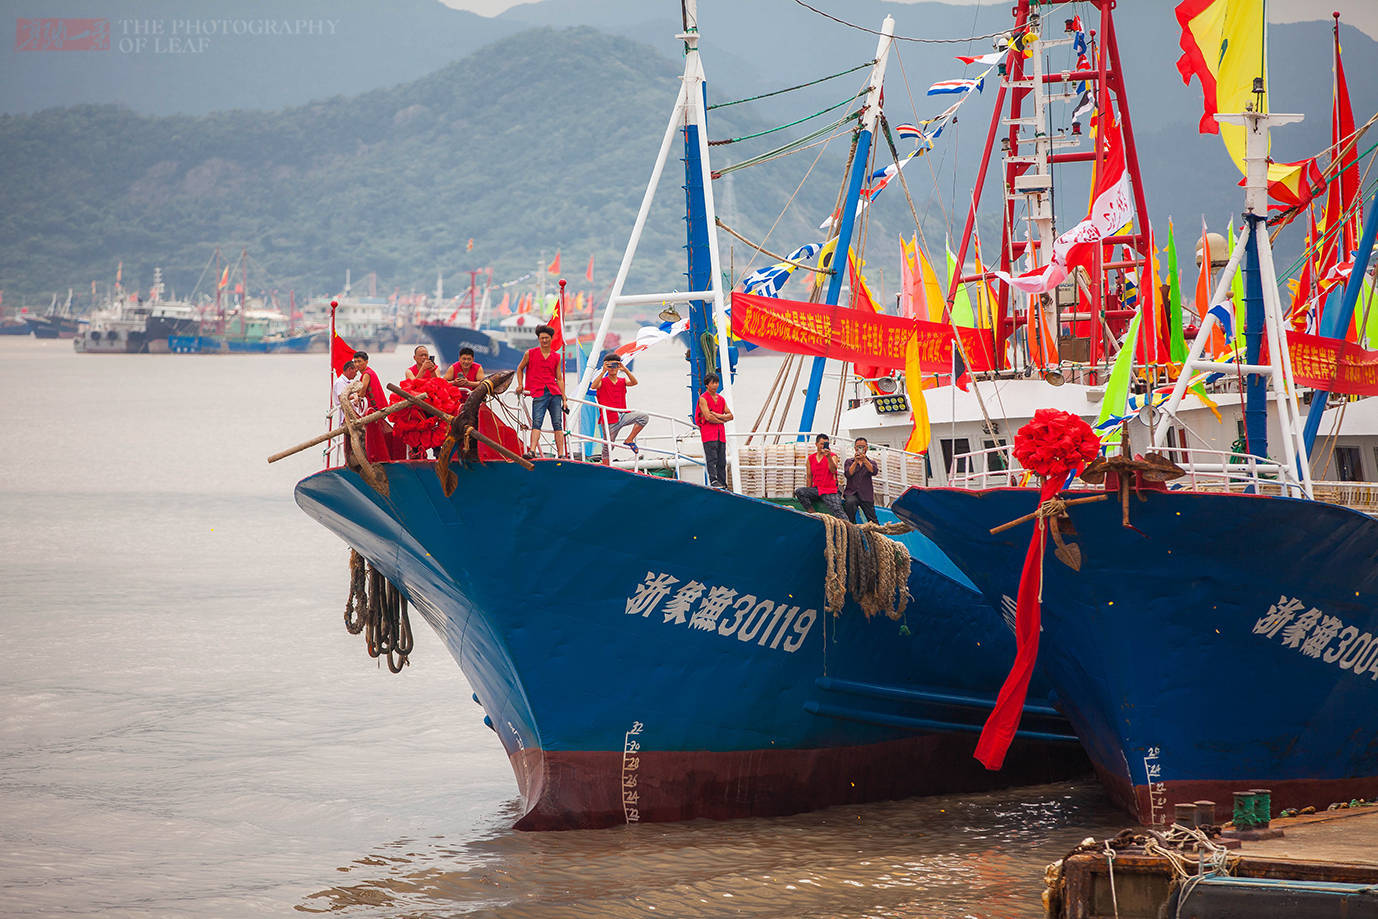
(688,110)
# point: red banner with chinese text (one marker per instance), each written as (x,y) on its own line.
(845,334)
(1333,364)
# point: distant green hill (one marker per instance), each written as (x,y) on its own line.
(542,141)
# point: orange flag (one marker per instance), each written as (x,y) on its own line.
(589,274)
(554,267)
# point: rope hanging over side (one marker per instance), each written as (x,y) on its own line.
(863,562)
(378,609)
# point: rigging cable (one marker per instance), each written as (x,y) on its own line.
(733,140)
(922,41)
(789,89)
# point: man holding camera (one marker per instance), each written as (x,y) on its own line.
(611,393)
(860,491)
(823,475)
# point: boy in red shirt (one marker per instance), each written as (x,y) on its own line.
(823,475)
(712,412)
(611,392)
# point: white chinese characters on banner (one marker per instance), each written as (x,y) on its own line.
(1316,634)
(700,607)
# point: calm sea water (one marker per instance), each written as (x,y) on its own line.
(187,729)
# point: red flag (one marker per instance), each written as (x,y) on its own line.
(557,321)
(1342,131)
(341,353)
(861,300)
(554,267)
(589,274)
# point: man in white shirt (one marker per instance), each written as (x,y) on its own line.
(349,385)
(347,378)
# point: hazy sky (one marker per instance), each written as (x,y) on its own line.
(1362,14)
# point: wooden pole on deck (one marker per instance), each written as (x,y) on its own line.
(370,417)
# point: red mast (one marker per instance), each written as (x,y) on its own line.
(243,290)
(1023,157)
(219,295)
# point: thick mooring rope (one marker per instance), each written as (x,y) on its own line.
(864,562)
(379,610)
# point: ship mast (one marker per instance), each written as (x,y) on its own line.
(1030,153)
(845,222)
(689,119)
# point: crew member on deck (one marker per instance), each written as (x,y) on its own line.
(467,373)
(823,475)
(860,491)
(418,356)
(542,373)
(611,391)
(712,412)
(378,439)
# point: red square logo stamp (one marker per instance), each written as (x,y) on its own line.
(62,35)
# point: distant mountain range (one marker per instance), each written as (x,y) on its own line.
(431,126)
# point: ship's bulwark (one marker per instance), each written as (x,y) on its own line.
(1223,643)
(648,649)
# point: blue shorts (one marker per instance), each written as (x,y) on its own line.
(551,404)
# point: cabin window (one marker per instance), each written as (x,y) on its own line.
(995,462)
(956,446)
(1349,464)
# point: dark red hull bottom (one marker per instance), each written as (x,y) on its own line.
(1298,793)
(588,790)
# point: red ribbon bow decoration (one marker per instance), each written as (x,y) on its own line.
(1052,445)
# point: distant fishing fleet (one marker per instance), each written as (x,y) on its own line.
(235,321)
(1204,620)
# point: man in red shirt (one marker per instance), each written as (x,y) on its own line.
(467,373)
(542,373)
(378,439)
(611,390)
(712,412)
(823,475)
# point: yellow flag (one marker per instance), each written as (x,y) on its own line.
(913,382)
(1223,46)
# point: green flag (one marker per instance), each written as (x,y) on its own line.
(962,313)
(1117,388)
(1174,301)
(1237,288)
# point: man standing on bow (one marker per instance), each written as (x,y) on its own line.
(542,373)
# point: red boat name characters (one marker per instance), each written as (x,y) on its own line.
(762,621)
(1311,633)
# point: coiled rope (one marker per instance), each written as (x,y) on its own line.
(378,609)
(864,562)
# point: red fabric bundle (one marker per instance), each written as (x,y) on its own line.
(422,430)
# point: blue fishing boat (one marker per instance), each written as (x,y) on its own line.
(679,664)
(649,648)
(1218,631)
(490,349)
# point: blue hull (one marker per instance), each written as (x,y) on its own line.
(489,350)
(615,705)
(1182,651)
(210,344)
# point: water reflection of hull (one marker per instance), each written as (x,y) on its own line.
(613,708)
